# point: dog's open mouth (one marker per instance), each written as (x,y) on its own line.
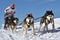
(28,26)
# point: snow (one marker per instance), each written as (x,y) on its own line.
(43,35)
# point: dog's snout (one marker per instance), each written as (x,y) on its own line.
(29,21)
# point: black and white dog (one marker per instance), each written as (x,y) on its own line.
(47,18)
(12,25)
(28,22)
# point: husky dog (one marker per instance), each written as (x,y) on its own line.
(47,18)
(28,22)
(12,25)
(10,22)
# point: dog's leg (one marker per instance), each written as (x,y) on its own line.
(25,29)
(53,24)
(46,25)
(32,26)
(5,27)
(40,27)
(10,28)
(14,29)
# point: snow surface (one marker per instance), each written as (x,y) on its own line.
(43,35)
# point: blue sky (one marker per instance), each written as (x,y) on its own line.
(36,7)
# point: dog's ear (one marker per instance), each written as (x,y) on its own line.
(26,14)
(30,14)
(51,11)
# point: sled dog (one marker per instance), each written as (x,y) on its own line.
(28,22)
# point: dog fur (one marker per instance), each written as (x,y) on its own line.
(12,26)
(47,18)
(28,22)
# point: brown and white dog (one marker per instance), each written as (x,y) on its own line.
(28,22)
(47,18)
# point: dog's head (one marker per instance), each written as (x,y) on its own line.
(49,15)
(15,20)
(29,19)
